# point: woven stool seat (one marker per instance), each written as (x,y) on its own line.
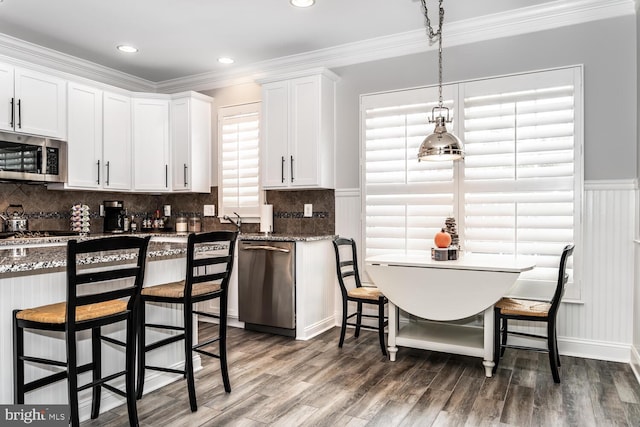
(520,307)
(365,293)
(176,289)
(56,313)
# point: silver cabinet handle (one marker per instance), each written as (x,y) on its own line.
(185,174)
(166,176)
(19,114)
(265,248)
(282,169)
(108,168)
(98,181)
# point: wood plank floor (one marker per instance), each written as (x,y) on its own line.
(277,381)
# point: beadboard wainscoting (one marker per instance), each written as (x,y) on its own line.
(600,324)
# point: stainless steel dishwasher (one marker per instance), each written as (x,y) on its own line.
(266,286)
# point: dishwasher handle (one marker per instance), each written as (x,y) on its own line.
(265,248)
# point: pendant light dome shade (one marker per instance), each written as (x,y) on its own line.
(441,145)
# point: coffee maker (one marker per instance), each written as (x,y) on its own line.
(114,214)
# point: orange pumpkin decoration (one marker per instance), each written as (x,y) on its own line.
(442,239)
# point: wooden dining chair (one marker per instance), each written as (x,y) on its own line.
(96,297)
(533,311)
(209,265)
(347,271)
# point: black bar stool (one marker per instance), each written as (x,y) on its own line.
(95,298)
(209,265)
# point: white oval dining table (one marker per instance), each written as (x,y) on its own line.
(441,294)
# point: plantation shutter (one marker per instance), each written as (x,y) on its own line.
(405,202)
(519,176)
(238,138)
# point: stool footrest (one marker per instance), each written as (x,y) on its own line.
(50,379)
(163,342)
(373,328)
(101,381)
(202,344)
(197,350)
(114,390)
(522,347)
(202,313)
(43,361)
(170,327)
(113,341)
(163,369)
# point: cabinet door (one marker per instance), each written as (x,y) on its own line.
(116,151)
(181,144)
(151,144)
(304,131)
(6,97)
(274,152)
(84,144)
(41,104)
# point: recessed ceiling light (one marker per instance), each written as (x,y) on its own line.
(225,60)
(126,48)
(302,3)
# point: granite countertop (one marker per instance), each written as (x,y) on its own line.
(285,237)
(38,254)
(36,259)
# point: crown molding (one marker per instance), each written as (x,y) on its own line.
(24,54)
(554,14)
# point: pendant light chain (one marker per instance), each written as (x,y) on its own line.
(432,35)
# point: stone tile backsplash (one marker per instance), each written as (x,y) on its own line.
(50,209)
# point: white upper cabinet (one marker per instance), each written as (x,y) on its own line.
(298,135)
(99,139)
(116,138)
(32,102)
(191,142)
(84,142)
(151,144)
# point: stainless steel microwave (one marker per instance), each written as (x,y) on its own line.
(32,158)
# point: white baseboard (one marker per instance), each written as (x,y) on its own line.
(316,329)
(153,381)
(635,362)
(587,349)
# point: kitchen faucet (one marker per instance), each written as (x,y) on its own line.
(237,222)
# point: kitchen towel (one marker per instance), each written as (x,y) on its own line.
(266,218)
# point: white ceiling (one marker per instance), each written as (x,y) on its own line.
(184,38)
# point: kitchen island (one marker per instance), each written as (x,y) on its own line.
(33,275)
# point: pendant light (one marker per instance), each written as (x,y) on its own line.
(440,145)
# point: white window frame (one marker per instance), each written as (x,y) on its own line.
(573,291)
(253,214)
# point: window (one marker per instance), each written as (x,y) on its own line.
(517,190)
(238,139)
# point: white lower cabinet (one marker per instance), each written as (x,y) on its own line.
(315,289)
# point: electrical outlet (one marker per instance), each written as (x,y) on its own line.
(308,210)
(209,210)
